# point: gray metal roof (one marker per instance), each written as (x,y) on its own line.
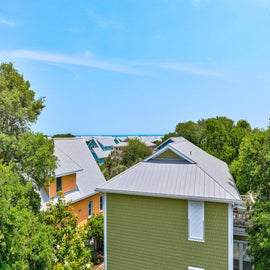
(100,153)
(121,144)
(201,176)
(106,140)
(87,178)
(65,165)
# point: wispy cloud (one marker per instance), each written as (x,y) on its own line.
(85,60)
(7,22)
(186,68)
(88,59)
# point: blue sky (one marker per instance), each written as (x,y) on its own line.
(138,67)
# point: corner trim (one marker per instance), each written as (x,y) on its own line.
(230,236)
(105,230)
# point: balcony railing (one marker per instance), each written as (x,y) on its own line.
(242,218)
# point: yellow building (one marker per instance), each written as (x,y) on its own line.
(77,176)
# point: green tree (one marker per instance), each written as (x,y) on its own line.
(65,135)
(70,247)
(215,138)
(18,106)
(96,230)
(26,162)
(34,157)
(31,154)
(112,165)
(134,152)
(259,235)
(218,136)
(24,240)
(252,172)
(252,167)
(190,131)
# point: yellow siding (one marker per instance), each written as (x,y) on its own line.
(68,184)
(80,208)
(52,189)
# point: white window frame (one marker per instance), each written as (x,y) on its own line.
(190,236)
(101,203)
(90,202)
(194,268)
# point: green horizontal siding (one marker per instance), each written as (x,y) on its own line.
(152,233)
(169,154)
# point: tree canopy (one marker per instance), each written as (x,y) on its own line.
(252,173)
(134,152)
(218,136)
(252,167)
(18,106)
(31,153)
(131,154)
(24,240)
(69,241)
(63,135)
(29,238)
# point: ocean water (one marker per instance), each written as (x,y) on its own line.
(118,135)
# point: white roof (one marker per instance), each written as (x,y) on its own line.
(65,164)
(100,153)
(121,144)
(106,140)
(197,176)
(74,153)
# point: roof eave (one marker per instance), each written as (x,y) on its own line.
(68,173)
(84,197)
(170,196)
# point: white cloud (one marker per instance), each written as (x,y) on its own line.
(7,22)
(85,60)
(89,60)
(187,68)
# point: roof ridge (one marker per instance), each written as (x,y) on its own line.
(125,171)
(68,156)
(210,176)
(68,138)
(198,163)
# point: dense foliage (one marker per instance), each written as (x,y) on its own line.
(252,166)
(30,153)
(131,154)
(24,239)
(69,241)
(95,226)
(63,135)
(259,235)
(219,136)
(252,171)
(30,239)
(18,106)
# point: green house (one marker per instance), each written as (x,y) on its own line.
(171,211)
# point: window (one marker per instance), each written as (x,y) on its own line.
(90,208)
(58,184)
(196,221)
(194,268)
(241,261)
(100,203)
